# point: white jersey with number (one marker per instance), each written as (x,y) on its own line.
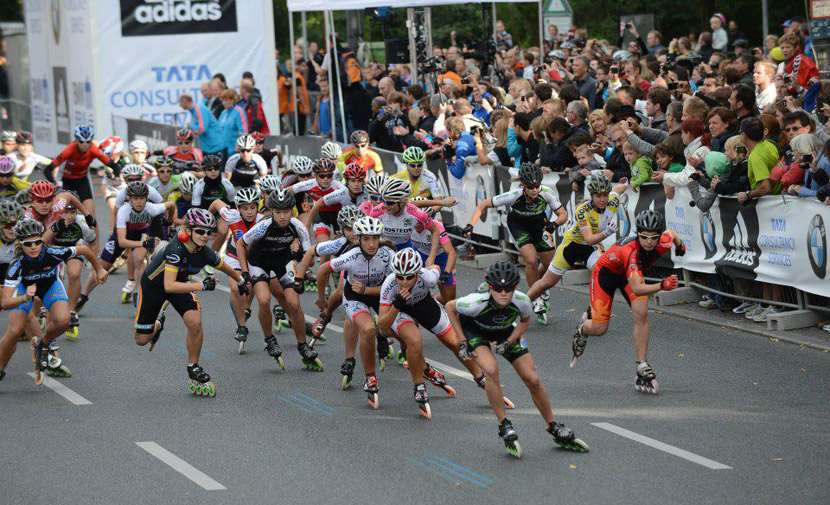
(427,280)
(369,272)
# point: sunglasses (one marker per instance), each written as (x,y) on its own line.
(405,277)
(164,171)
(6,176)
(532,186)
(325,176)
(211,169)
(414,165)
(41,200)
(201,231)
(644,236)
(387,203)
(133,179)
(363,144)
(374,198)
(84,142)
(502,289)
(9,226)
(186,143)
(245,150)
(32,243)
(792,128)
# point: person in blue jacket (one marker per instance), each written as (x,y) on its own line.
(203,124)
(233,122)
(464,145)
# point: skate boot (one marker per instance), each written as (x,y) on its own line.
(401,357)
(565,438)
(40,359)
(41,319)
(482,383)
(346,370)
(127,292)
(646,379)
(241,337)
(371,387)
(319,326)
(586,315)
(56,368)
(82,299)
(280,319)
(272,347)
(157,334)
(438,380)
(510,438)
(247,314)
(545,297)
(309,357)
(422,399)
(541,311)
(310,284)
(199,383)
(578,345)
(384,349)
(72,330)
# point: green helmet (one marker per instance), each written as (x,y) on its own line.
(27,228)
(414,156)
(598,183)
(10,211)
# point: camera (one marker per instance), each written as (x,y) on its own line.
(615,69)
(740,150)
(476,130)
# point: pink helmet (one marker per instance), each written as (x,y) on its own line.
(6,165)
(200,218)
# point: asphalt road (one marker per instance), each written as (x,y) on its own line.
(740,419)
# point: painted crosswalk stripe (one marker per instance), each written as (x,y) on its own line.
(71,396)
(181,466)
(661,446)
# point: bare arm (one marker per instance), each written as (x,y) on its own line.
(173,286)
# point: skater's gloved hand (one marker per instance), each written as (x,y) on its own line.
(242,286)
(501,348)
(246,277)
(149,243)
(90,220)
(209,283)
(680,249)
(298,285)
(58,226)
(610,227)
(31,290)
(294,246)
(48,173)
(464,352)
(468,231)
(550,227)
(668,283)
(399,302)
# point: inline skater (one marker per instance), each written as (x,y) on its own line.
(366,267)
(360,153)
(183,150)
(271,157)
(596,220)
(164,181)
(10,184)
(528,222)
(321,185)
(245,167)
(422,242)
(46,205)
(183,197)
(300,170)
(239,221)
(352,193)
(496,322)
(213,187)
(400,217)
(33,274)
(264,252)
(71,231)
(166,281)
(331,151)
(621,268)
(24,158)
(9,140)
(422,182)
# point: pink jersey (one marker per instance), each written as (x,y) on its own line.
(398,229)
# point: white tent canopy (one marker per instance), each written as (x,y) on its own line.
(345,5)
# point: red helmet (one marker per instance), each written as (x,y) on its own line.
(258,136)
(42,190)
(354,171)
(184,135)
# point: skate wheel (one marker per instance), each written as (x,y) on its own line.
(242,348)
(507,403)
(405,364)
(345,382)
(573,361)
(72,333)
(281,363)
(513,449)
(577,446)
(374,401)
(209,390)
(191,388)
(382,364)
(38,377)
(450,390)
(426,411)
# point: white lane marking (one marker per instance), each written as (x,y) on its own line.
(181,466)
(450,370)
(71,396)
(660,446)
(309,319)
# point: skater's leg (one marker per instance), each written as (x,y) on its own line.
(411,335)
(639,309)
(526,369)
(544,259)
(531,260)
(17,322)
(263,298)
(221,234)
(131,266)
(73,281)
(547,281)
(487,361)
(238,303)
(447,292)
(193,322)
(451,340)
(58,320)
(138,254)
(349,338)
(367,334)
(289,300)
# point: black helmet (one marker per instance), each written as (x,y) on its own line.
(281,199)
(502,274)
(211,160)
(27,227)
(530,174)
(323,166)
(650,220)
(138,189)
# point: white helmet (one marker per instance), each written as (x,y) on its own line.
(330,150)
(132,170)
(187,182)
(246,195)
(269,183)
(138,145)
(394,190)
(368,226)
(407,262)
(245,142)
(301,165)
(374,184)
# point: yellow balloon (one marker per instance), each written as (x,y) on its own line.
(776,54)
